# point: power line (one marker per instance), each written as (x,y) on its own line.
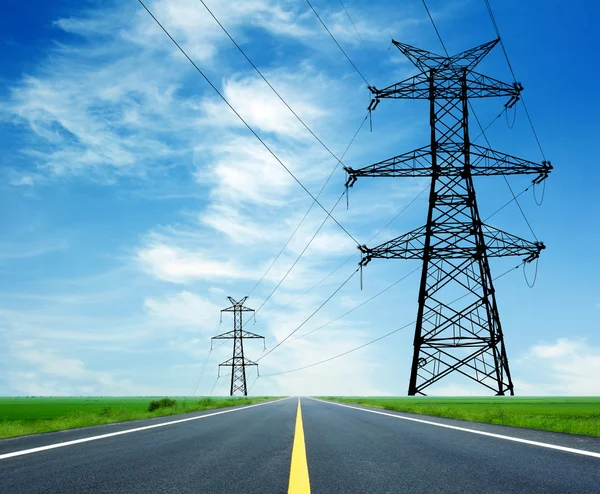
(515,199)
(358,306)
(435,27)
(339,160)
(352,22)
(246,123)
(336,42)
(253,383)
(353,255)
(299,256)
(340,287)
(195,388)
(310,317)
(342,354)
(307,213)
(493,19)
(398,215)
(508,202)
(214,385)
(269,84)
(375,340)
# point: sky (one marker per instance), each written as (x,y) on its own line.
(134,201)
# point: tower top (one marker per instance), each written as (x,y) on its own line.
(425,60)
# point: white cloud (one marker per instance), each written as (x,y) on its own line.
(178,265)
(567,366)
(50,363)
(22,180)
(262,109)
(184,309)
(52,373)
(563,347)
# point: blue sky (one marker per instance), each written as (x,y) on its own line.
(134,201)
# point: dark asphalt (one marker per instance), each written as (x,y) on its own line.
(348,451)
(352,451)
(247,451)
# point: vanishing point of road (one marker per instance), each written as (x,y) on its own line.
(299,446)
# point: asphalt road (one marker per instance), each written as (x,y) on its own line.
(347,450)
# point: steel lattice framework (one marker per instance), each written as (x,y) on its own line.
(238,362)
(454,245)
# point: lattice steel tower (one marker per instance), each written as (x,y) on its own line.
(454,245)
(238,362)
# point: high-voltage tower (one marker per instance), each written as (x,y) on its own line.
(238,362)
(458,327)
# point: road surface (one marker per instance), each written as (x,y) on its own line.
(314,446)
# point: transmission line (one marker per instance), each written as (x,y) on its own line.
(214,385)
(338,45)
(353,255)
(493,19)
(265,145)
(195,388)
(376,339)
(352,22)
(508,202)
(342,354)
(306,214)
(269,84)
(358,306)
(311,315)
(339,160)
(299,255)
(435,27)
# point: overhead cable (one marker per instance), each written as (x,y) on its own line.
(493,19)
(309,317)
(352,22)
(372,341)
(269,84)
(307,213)
(339,160)
(355,254)
(358,306)
(299,256)
(338,45)
(265,145)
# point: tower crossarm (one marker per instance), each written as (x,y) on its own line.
(237,361)
(415,163)
(448,87)
(484,162)
(229,335)
(487,161)
(453,241)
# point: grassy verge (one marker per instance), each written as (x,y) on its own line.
(570,415)
(33,415)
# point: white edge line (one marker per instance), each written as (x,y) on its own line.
(472,431)
(127,431)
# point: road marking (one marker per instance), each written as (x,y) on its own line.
(299,481)
(472,431)
(128,431)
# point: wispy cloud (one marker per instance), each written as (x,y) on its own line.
(116,104)
(564,366)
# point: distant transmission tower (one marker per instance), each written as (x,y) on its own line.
(238,362)
(454,245)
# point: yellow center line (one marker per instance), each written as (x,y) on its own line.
(299,481)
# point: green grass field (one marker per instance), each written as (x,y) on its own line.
(32,415)
(570,415)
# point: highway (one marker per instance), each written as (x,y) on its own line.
(300,446)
